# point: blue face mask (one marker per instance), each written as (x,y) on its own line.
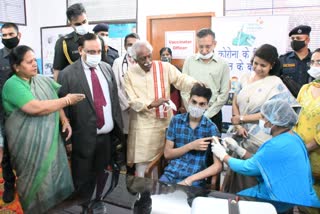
(266,130)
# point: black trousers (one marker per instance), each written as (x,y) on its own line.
(86,170)
(7,172)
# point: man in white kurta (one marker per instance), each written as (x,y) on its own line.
(149,117)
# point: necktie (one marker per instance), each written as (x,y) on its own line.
(98,98)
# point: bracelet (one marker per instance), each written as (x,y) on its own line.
(185,181)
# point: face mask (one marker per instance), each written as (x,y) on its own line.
(314,72)
(165,59)
(297,45)
(10,43)
(129,50)
(195,111)
(93,60)
(82,29)
(105,40)
(266,130)
(207,56)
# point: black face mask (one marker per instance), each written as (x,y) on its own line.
(11,43)
(165,59)
(297,45)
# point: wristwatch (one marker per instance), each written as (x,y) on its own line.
(241,119)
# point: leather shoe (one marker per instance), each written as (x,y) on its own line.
(8,195)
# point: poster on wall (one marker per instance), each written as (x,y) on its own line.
(240,36)
(13,11)
(238,39)
(50,35)
(182,43)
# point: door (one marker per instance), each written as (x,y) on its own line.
(158,25)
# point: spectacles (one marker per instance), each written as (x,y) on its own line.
(314,62)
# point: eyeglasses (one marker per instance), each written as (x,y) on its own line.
(314,62)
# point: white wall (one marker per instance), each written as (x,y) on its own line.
(165,7)
(41,13)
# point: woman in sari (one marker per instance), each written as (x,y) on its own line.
(36,148)
(255,89)
(308,126)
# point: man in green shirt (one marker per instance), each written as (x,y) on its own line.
(207,67)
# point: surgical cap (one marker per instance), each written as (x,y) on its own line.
(279,113)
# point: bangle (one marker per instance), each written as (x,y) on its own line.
(66,120)
(187,183)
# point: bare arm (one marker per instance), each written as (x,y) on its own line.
(171,153)
(44,107)
(235,107)
(312,146)
(55,74)
(212,170)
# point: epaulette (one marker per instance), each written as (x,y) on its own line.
(286,54)
(68,36)
(113,49)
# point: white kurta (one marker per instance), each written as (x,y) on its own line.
(120,67)
(147,132)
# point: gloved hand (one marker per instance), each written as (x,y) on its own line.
(218,150)
(233,146)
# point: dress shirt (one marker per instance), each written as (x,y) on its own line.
(107,111)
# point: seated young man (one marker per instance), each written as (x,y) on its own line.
(188,137)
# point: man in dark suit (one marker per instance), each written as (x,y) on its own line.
(96,122)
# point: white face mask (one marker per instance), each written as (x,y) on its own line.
(314,72)
(105,40)
(266,130)
(129,50)
(207,56)
(82,29)
(195,111)
(93,60)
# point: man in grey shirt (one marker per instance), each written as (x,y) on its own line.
(209,68)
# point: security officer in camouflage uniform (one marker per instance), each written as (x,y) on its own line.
(66,48)
(295,63)
(103,31)
(10,39)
